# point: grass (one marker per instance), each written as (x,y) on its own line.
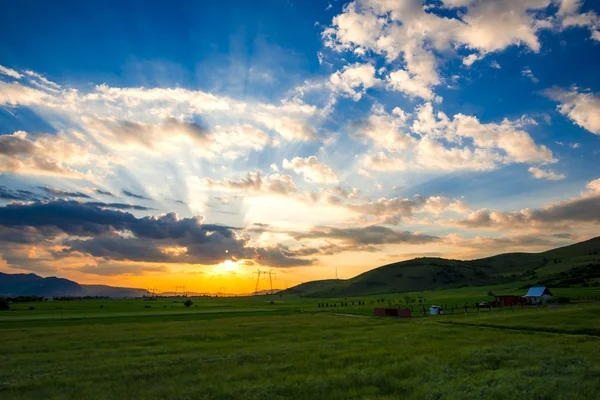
(248,348)
(582,319)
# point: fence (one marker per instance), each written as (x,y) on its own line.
(466,309)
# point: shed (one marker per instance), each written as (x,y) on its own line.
(538,294)
(435,310)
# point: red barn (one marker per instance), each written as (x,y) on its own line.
(392,312)
(509,301)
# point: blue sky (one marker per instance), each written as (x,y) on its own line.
(318,133)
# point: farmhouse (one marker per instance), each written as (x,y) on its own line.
(538,294)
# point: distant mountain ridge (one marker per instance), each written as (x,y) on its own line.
(12,285)
(427,273)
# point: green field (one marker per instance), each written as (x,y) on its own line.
(272,347)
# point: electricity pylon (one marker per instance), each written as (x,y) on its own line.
(258,273)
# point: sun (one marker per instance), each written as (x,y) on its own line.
(228,267)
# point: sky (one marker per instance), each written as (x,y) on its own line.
(158,144)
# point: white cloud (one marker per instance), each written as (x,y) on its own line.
(45,155)
(291,129)
(582,108)
(409,30)
(312,169)
(545,174)
(569,17)
(45,82)
(440,143)
(255,182)
(385,130)
(10,72)
(354,80)
(494,64)
(528,73)
(382,163)
(594,185)
(14,93)
(471,58)
(412,86)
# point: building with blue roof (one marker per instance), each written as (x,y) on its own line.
(538,294)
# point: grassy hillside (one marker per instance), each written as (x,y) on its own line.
(575,264)
(311,286)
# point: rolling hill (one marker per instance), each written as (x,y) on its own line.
(554,266)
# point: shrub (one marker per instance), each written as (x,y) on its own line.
(188,303)
(4,304)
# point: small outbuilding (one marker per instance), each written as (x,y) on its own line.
(435,310)
(538,295)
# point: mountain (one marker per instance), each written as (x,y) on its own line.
(12,285)
(34,285)
(562,266)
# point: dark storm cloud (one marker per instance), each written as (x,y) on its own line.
(18,195)
(64,193)
(369,235)
(279,256)
(104,192)
(120,206)
(69,216)
(134,195)
(119,235)
(26,235)
(118,248)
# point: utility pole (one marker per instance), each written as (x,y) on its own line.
(271,273)
(258,272)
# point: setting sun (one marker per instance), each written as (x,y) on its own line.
(227,267)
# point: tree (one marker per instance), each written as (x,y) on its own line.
(4,304)
(188,303)
(407,299)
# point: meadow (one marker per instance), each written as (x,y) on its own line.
(272,347)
